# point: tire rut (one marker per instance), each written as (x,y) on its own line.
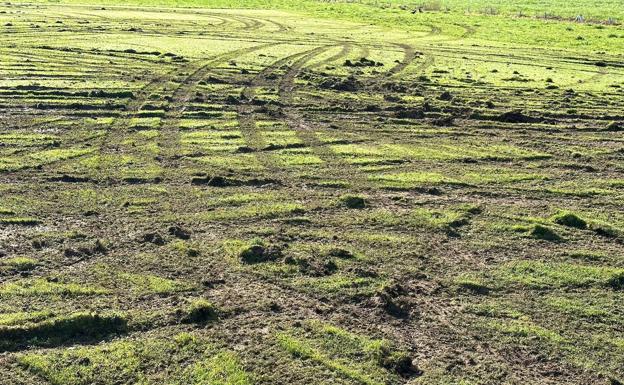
(305,130)
(182,94)
(246,111)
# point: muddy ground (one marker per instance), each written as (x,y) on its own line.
(195,196)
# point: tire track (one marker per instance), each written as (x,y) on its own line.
(409,55)
(246,112)
(306,131)
(346,50)
(174,107)
(295,121)
(170,141)
(132,107)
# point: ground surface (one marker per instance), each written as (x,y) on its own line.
(213,196)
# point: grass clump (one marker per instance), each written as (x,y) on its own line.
(20,263)
(353,201)
(41,287)
(448,219)
(538,231)
(472,285)
(569,219)
(607,230)
(257,251)
(200,311)
(61,330)
(6,211)
(20,221)
(185,248)
(543,232)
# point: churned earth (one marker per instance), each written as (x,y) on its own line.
(336,194)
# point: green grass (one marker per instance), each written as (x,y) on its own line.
(20,263)
(146,361)
(349,355)
(52,331)
(50,156)
(412,180)
(501,177)
(41,287)
(301,350)
(538,274)
(442,151)
(447,219)
(523,329)
(222,369)
(595,308)
(14,319)
(380,14)
(22,221)
(256,210)
(191,195)
(146,283)
(6,211)
(200,311)
(298,158)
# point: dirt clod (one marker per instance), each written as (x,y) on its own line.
(394,300)
(617,282)
(213,181)
(258,254)
(154,238)
(354,201)
(614,127)
(314,266)
(399,362)
(517,116)
(410,113)
(337,252)
(446,95)
(347,84)
(179,232)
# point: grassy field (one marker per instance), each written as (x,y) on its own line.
(311,192)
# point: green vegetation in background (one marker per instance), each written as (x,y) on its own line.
(479,19)
(549,8)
